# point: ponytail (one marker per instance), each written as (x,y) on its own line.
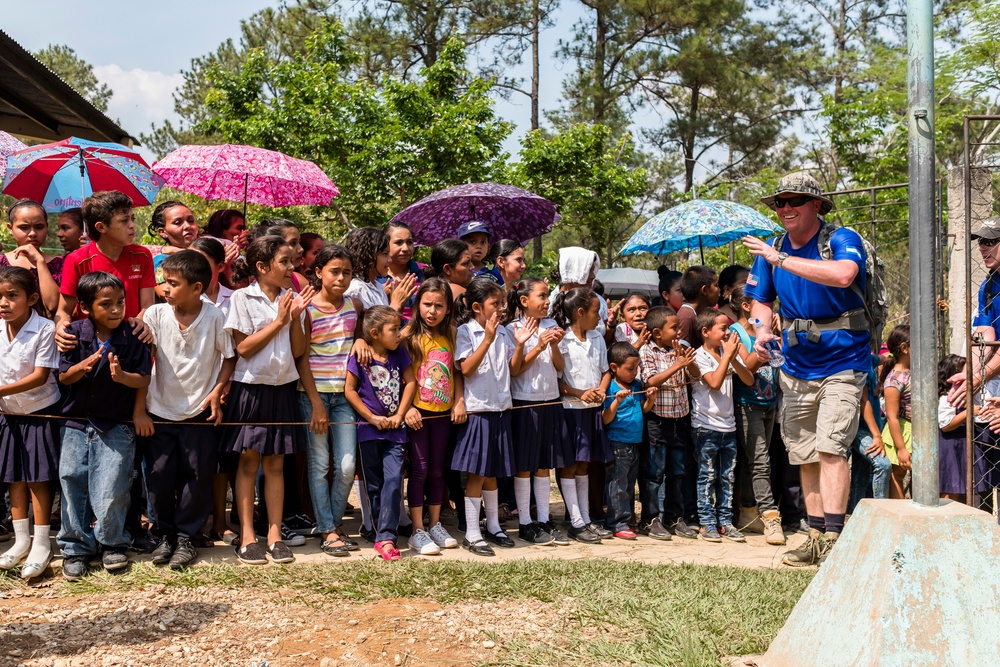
(522,288)
(479,290)
(569,302)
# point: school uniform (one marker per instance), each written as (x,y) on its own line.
(262,396)
(483,444)
(29,446)
(180,457)
(370,294)
(541,440)
(98,442)
(584,364)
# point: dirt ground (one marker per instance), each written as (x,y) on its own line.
(160,625)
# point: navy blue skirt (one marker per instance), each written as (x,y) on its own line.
(541,440)
(586,431)
(29,448)
(257,407)
(483,445)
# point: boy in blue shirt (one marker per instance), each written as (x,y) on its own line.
(624,405)
(101,375)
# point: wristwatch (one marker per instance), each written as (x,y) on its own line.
(782,256)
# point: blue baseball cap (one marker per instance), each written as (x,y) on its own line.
(473,227)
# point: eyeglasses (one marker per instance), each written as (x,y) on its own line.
(988,243)
(779,202)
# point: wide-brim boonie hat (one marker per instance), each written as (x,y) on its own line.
(988,229)
(800,183)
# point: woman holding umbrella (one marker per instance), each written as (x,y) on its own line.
(29,225)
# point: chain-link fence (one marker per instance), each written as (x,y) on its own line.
(981,185)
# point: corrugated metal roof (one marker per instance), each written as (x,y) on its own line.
(36,103)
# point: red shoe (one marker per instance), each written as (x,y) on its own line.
(387,550)
(625,534)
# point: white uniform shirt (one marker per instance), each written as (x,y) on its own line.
(488,389)
(187,361)
(223,299)
(370,294)
(249,312)
(584,362)
(539,381)
(712,408)
(34,346)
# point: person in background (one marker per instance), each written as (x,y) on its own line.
(477,236)
(401,263)
(28,223)
(669,288)
(311,244)
(895,384)
(870,469)
(69,229)
(730,277)
(451,260)
(952,441)
(700,288)
(598,288)
(507,257)
(633,330)
(173,223)
(229,226)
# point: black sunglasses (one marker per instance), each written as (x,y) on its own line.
(988,243)
(791,201)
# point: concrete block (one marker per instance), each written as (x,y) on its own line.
(905,585)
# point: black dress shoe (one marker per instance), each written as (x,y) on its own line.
(500,539)
(184,554)
(584,534)
(163,551)
(368,535)
(479,547)
(599,530)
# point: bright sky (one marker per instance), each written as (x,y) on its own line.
(139,50)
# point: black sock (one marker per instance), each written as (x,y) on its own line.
(835,523)
(819,523)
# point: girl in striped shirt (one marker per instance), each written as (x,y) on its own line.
(331,323)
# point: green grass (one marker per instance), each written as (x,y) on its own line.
(620,613)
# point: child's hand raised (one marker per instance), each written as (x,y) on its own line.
(301,300)
(91,361)
(613,313)
(232,252)
(491,326)
(284,315)
(685,354)
(730,344)
(401,291)
(116,368)
(643,338)
(526,331)
(550,337)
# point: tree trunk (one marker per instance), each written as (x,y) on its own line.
(600,42)
(841,38)
(689,140)
(536,244)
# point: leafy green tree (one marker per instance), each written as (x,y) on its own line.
(78,73)
(384,147)
(589,174)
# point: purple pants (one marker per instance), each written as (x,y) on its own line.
(428,454)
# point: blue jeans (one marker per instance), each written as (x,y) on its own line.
(329,499)
(867,469)
(661,468)
(716,454)
(619,483)
(95,473)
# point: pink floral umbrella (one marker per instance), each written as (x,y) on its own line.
(10,145)
(245,173)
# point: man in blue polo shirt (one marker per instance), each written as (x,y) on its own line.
(825,340)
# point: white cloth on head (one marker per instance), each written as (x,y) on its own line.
(576,265)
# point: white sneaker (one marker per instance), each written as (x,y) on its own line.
(442,538)
(422,543)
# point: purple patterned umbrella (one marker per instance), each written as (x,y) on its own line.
(511,213)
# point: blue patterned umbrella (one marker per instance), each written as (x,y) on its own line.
(701,223)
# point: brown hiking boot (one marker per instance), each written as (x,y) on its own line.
(750,520)
(773,534)
(828,541)
(807,554)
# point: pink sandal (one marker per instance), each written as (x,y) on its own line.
(387,550)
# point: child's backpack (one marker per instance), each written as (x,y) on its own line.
(873,297)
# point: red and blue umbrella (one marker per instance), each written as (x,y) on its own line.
(61,175)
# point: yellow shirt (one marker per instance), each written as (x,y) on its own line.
(435,384)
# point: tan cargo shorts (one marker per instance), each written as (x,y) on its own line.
(820,415)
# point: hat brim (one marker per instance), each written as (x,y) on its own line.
(827,206)
(988,234)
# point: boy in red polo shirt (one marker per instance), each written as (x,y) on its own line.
(111,227)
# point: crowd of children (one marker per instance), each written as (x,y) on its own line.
(458,382)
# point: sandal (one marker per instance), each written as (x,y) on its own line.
(335,547)
(348,542)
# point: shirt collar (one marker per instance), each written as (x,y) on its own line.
(88,332)
(34,323)
(254,290)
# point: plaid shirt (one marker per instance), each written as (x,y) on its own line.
(672,398)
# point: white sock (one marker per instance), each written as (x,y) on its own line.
(572,502)
(583,493)
(542,486)
(472,532)
(22,539)
(40,547)
(522,492)
(365,503)
(491,500)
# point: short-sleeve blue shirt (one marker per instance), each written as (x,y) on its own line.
(627,424)
(988,313)
(799,298)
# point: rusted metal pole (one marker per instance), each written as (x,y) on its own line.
(923,262)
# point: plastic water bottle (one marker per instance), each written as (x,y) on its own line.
(773,346)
